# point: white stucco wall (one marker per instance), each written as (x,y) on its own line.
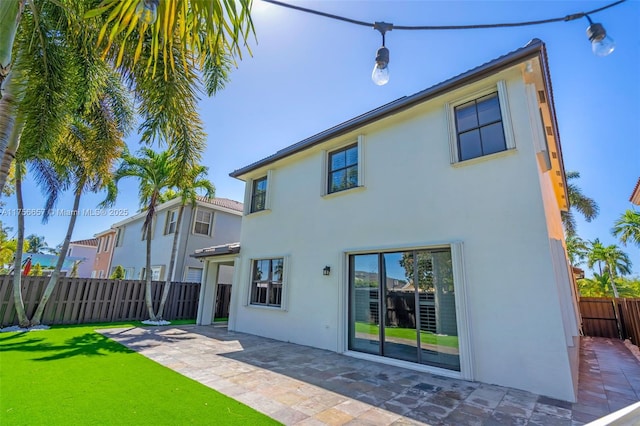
(414,197)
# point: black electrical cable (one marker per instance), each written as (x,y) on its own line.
(566,18)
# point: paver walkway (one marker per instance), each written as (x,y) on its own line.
(307,386)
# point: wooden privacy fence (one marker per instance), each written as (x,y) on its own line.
(614,318)
(86,300)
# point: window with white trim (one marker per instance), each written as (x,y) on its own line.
(202,222)
(267,279)
(107,240)
(170,225)
(259,195)
(480,124)
(119,237)
(98,248)
(342,169)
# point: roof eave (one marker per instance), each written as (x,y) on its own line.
(534,48)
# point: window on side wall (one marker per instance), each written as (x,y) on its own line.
(202,222)
(479,127)
(119,237)
(106,243)
(267,282)
(170,226)
(480,124)
(342,169)
(259,195)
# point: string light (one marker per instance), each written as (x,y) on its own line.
(601,43)
(147,11)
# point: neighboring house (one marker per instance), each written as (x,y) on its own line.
(48,263)
(104,252)
(85,250)
(210,222)
(425,233)
(635,195)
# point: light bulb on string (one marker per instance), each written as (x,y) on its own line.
(380,73)
(147,11)
(601,43)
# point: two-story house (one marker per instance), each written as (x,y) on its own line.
(425,233)
(104,252)
(209,222)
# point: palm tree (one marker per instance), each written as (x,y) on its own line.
(610,259)
(577,202)
(155,173)
(627,227)
(597,286)
(577,249)
(187,185)
(37,244)
(190,38)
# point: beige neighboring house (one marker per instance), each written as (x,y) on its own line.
(425,233)
(635,195)
(104,252)
(85,250)
(211,222)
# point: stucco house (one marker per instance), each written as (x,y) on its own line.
(104,252)
(425,233)
(210,222)
(85,252)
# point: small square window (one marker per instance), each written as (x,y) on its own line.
(259,195)
(479,128)
(342,170)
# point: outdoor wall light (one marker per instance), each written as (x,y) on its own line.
(326,270)
(147,11)
(601,43)
(380,74)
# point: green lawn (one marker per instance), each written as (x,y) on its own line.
(71,375)
(408,333)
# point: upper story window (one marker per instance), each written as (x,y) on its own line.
(119,237)
(202,222)
(479,127)
(98,248)
(172,218)
(480,124)
(107,240)
(342,169)
(259,195)
(267,281)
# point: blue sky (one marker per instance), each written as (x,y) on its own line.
(309,73)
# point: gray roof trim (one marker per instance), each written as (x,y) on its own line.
(534,48)
(221,250)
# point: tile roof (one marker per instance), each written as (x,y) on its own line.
(532,49)
(635,195)
(223,202)
(89,242)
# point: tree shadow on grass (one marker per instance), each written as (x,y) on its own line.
(88,344)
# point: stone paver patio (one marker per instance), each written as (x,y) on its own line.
(299,385)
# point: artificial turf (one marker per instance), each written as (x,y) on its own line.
(75,376)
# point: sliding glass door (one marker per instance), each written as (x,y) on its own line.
(402,306)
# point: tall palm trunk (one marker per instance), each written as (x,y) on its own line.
(10,13)
(172,263)
(148,273)
(7,123)
(53,280)
(612,280)
(17,265)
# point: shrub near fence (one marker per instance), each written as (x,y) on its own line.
(86,300)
